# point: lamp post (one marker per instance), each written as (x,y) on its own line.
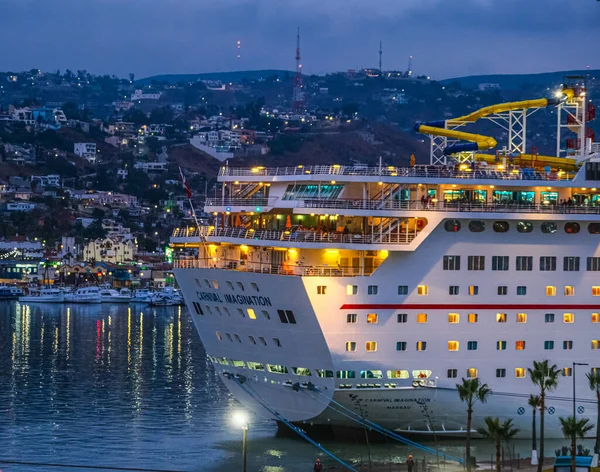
(240,419)
(574,411)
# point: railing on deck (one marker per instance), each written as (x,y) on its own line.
(248,202)
(427,172)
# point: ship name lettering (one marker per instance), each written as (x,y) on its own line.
(209,297)
(247,300)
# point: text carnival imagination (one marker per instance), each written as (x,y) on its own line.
(234,299)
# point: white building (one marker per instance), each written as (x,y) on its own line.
(51,180)
(486,87)
(87,151)
(111,249)
(141,95)
(151,166)
(20,206)
(108,198)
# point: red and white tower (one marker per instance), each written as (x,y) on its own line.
(298,93)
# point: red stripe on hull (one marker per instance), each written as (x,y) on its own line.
(474,306)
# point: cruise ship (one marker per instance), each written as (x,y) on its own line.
(379,288)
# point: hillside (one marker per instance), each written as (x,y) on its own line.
(236,76)
(518,81)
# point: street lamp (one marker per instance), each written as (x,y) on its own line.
(240,420)
(574,411)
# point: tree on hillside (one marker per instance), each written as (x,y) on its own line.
(135,116)
(161,115)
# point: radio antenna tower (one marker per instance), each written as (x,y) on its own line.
(380,54)
(298,94)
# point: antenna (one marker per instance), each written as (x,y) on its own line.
(239,50)
(298,93)
(409,71)
(380,54)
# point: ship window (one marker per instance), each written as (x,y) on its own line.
(567,345)
(198,283)
(226,311)
(524,263)
(473,289)
(402,317)
(520,372)
(397,374)
(548,345)
(265,313)
(219,337)
(549,318)
(421,374)
(500,226)
(401,346)
(240,364)
(262,340)
(240,286)
(452,226)
(290,316)
(500,262)
(500,373)
(371,346)
(296,191)
(568,317)
(596,290)
(472,373)
(208,309)
(282,316)
(350,346)
(277,369)
(321,289)
(452,373)
(215,284)
(254,285)
(326,374)
(521,290)
(571,264)
(422,290)
(472,346)
(251,314)
(595,344)
(351,318)
(372,318)
(241,313)
(476,263)
(451,263)
(351,289)
(550,291)
(345,374)
(229,337)
(402,289)
(198,308)
(453,290)
(372,290)
(501,345)
(207,283)
(594,228)
(251,339)
(453,317)
(453,345)
(237,338)
(520,345)
(421,345)
(569,291)
(593,264)
(567,371)
(521,317)
(302,371)
(476,226)
(549,227)
(256,366)
(502,290)
(277,342)
(472,318)
(572,228)
(501,317)
(371,374)
(524,227)
(547,263)
(595,317)
(595,370)
(422,318)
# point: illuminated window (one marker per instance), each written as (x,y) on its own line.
(351,318)
(372,318)
(501,317)
(422,290)
(572,228)
(524,227)
(567,371)
(569,290)
(595,344)
(472,317)
(595,370)
(325,374)
(472,346)
(550,291)
(548,345)
(277,369)
(521,317)
(255,366)
(402,289)
(502,290)
(421,374)
(549,318)
(401,346)
(595,317)
(501,345)
(453,345)
(453,317)
(402,317)
(596,291)
(219,337)
(520,372)
(251,314)
(215,284)
(567,345)
(473,289)
(397,374)
(421,345)
(371,346)
(372,290)
(568,318)
(453,290)
(345,374)
(500,373)
(371,374)
(351,289)
(520,345)
(422,318)
(350,346)
(472,373)
(452,373)
(321,289)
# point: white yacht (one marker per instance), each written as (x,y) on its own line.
(90,295)
(142,295)
(110,295)
(10,292)
(167,296)
(43,295)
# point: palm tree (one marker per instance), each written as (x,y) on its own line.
(545,377)
(471,391)
(498,433)
(534,402)
(573,429)
(594,380)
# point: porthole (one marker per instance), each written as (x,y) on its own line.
(500,226)
(572,228)
(594,228)
(476,226)
(549,227)
(452,226)
(524,227)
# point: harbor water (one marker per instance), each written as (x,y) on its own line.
(131,386)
